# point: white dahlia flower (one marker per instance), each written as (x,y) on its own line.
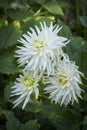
(24,86)
(63,86)
(40,48)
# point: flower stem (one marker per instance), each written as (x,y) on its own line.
(77,13)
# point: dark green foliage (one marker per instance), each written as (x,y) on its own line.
(12,122)
(30,125)
(9,36)
(53,7)
(83,20)
(7,61)
(16,17)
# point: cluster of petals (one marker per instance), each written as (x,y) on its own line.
(41,49)
(24,87)
(63,86)
(41,52)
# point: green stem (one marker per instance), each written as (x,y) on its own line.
(83,9)
(77,13)
(37,13)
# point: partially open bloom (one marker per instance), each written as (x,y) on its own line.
(24,86)
(63,86)
(40,48)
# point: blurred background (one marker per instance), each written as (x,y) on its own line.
(16,17)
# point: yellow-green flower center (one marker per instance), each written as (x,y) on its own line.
(62,80)
(28,81)
(38,44)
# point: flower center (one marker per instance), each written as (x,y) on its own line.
(28,81)
(38,44)
(62,80)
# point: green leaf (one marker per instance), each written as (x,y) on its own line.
(83,58)
(30,125)
(3,22)
(65,5)
(85,127)
(13,4)
(25,26)
(12,122)
(32,22)
(45,109)
(7,91)
(1,111)
(77,51)
(20,14)
(73,49)
(40,1)
(85,120)
(44,19)
(65,31)
(69,120)
(51,111)
(4,3)
(84,63)
(83,20)
(65,124)
(7,65)
(53,7)
(9,36)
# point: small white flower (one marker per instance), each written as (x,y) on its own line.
(40,48)
(24,86)
(64,85)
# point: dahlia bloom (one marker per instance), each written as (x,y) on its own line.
(41,47)
(63,86)
(24,87)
